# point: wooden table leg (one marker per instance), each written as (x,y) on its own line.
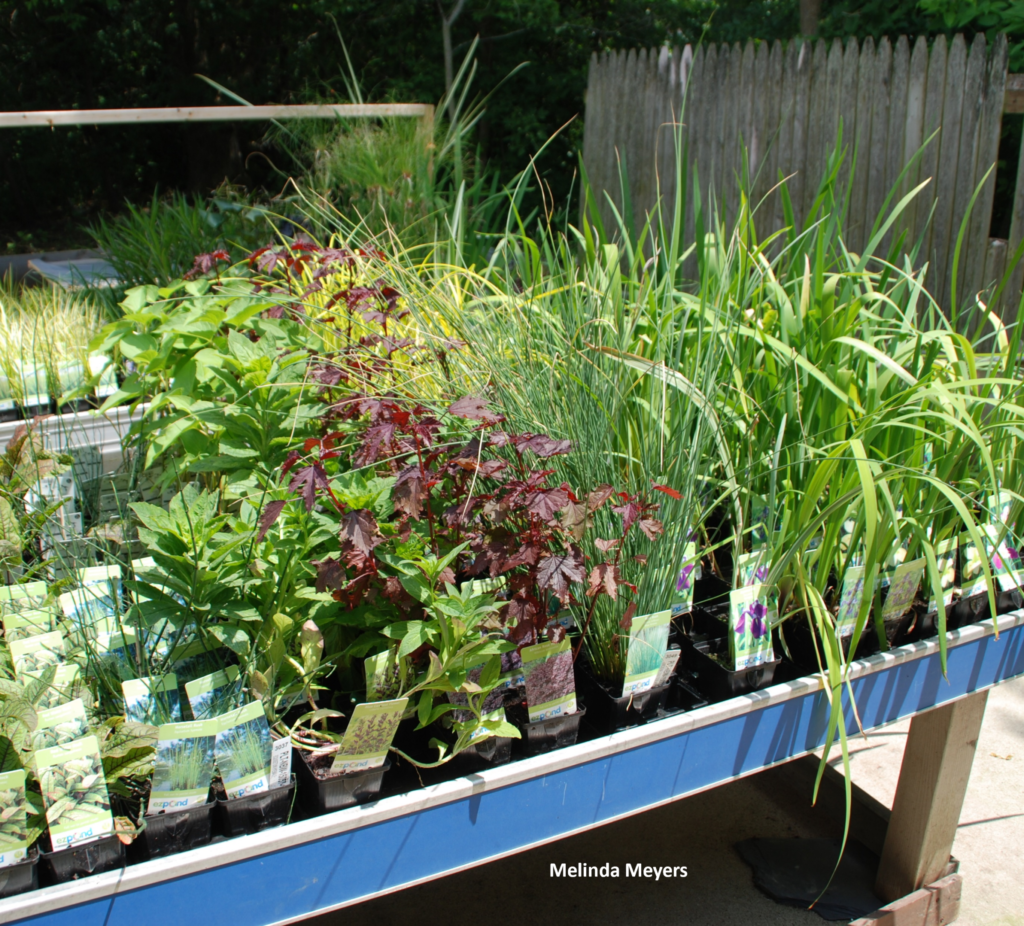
(933,780)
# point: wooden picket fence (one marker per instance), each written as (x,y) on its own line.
(749,115)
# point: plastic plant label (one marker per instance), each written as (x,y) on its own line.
(154,701)
(906,580)
(58,726)
(972,569)
(688,574)
(945,560)
(368,735)
(668,665)
(760,515)
(91,610)
(562,619)
(750,637)
(115,655)
(195,659)
(1004,558)
(493,700)
(750,570)
(28,595)
(386,674)
(74,792)
(28,623)
(481,732)
(242,750)
(851,599)
(214,694)
(13,818)
(281,762)
(32,655)
(648,641)
(57,693)
(183,765)
(511,671)
(550,686)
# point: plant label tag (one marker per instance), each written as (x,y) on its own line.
(281,762)
(751,568)
(386,674)
(243,750)
(851,600)
(214,694)
(183,765)
(688,574)
(945,560)
(32,655)
(368,736)
(905,582)
(972,569)
(59,692)
(750,635)
(648,641)
(668,665)
(58,726)
(154,701)
(1004,558)
(13,818)
(548,676)
(74,792)
(28,623)
(26,596)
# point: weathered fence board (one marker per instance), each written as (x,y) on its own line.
(752,115)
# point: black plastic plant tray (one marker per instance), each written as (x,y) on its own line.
(16,879)
(554,733)
(607,713)
(719,683)
(495,750)
(322,795)
(90,858)
(167,833)
(244,815)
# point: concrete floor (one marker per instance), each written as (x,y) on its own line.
(700,832)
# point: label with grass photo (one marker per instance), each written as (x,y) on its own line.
(183,765)
(972,569)
(196,659)
(90,610)
(386,675)
(13,818)
(688,574)
(114,658)
(214,694)
(154,701)
(32,655)
(58,726)
(750,635)
(945,560)
(29,623)
(243,750)
(906,580)
(548,675)
(74,792)
(368,736)
(648,641)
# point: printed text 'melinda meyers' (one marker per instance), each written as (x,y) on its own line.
(608,870)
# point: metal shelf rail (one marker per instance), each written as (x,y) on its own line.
(289,873)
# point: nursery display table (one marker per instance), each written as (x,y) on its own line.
(294,871)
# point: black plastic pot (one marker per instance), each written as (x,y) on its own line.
(607,712)
(89,858)
(684,694)
(10,414)
(322,795)
(168,833)
(16,879)
(242,816)
(541,736)
(495,750)
(974,609)
(715,680)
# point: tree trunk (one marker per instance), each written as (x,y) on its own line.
(810,13)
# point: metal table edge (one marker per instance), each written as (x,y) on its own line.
(216,855)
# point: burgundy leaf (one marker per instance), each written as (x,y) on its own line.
(527,555)
(375,437)
(498,439)
(555,572)
(547,504)
(630,511)
(290,461)
(543,446)
(599,496)
(605,545)
(271,512)
(652,527)
(627,618)
(360,529)
(408,492)
(306,481)
(522,610)
(604,577)
(330,575)
(574,518)
(471,407)
(667,490)
(556,634)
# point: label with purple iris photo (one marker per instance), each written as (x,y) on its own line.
(750,635)
(688,574)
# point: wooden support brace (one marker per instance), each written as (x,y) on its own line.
(933,781)
(937,904)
